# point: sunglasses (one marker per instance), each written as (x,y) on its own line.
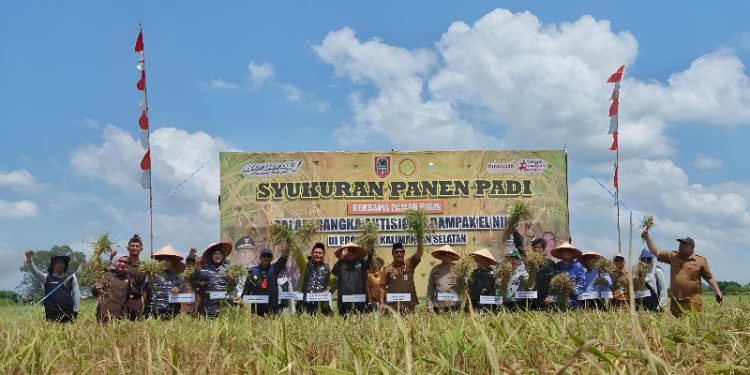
(266,256)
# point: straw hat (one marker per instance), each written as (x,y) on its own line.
(358,250)
(589,254)
(565,246)
(484,253)
(168,251)
(445,250)
(226,249)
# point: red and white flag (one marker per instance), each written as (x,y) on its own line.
(614,108)
(146,168)
(139,42)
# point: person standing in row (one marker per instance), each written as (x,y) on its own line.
(654,283)
(444,285)
(398,278)
(61,290)
(161,287)
(317,276)
(518,281)
(134,306)
(686,270)
(262,280)
(621,280)
(211,279)
(544,274)
(112,292)
(373,284)
(482,282)
(350,271)
(569,264)
(594,282)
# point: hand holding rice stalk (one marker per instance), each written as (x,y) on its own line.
(369,236)
(647,223)
(294,241)
(519,211)
(639,275)
(463,268)
(419,224)
(188,275)
(503,273)
(533,261)
(235,271)
(151,268)
(92,272)
(562,285)
(605,267)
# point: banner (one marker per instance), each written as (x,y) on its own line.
(465,193)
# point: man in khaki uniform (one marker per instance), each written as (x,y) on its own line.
(686,270)
(398,277)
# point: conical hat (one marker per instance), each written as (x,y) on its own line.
(226,249)
(168,251)
(565,246)
(591,254)
(444,250)
(358,250)
(484,253)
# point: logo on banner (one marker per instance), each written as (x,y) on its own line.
(271,169)
(382,166)
(408,167)
(522,166)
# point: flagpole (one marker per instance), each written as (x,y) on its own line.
(617,198)
(614,130)
(148,142)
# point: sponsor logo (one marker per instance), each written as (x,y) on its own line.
(382,166)
(408,167)
(272,169)
(523,166)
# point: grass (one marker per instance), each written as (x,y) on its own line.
(715,341)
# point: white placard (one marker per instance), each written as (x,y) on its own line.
(587,296)
(606,294)
(642,293)
(182,298)
(318,297)
(527,294)
(448,297)
(551,299)
(217,295)
(490,300)
(353,298)
(255,299)
(294,296)
(398,297)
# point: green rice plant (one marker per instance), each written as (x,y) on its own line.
(235,271)
(295,241)
(419,224)
(369,235)
(188,275)
(519,211)
(92,271)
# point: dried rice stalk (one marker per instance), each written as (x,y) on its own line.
(295,241)
(369,236)
(605,267)
(419,225)
(463,268)
(151,267)
(519,211)
(533,261)
(647,223)
(188,275)
(562,285)
(92,272)
(503,273)
(235,271)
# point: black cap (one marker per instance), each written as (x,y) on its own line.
(64,259)
(266,252)
(135,239)
(687,240)
(397,245)
(319,245)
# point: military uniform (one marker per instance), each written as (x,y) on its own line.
(114,296)
(685,280)
(134,305)
(399,278)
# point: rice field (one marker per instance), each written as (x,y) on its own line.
(716,341)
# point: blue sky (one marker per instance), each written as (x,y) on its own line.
(68,165)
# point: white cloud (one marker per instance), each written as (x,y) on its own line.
(19,180)
(22,209)
(291,92)
(221,84)
(705,162)
(260,72)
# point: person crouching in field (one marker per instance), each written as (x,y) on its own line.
(161,287)
(398,278)
(569,264)
(686,271)
(654,283)
(63,295)
(317,276)
(544,274)
(263,281)
(444,285)
(211,279)
(113,291)
(518,281)
(481,282)
(350,271)
(594,283)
